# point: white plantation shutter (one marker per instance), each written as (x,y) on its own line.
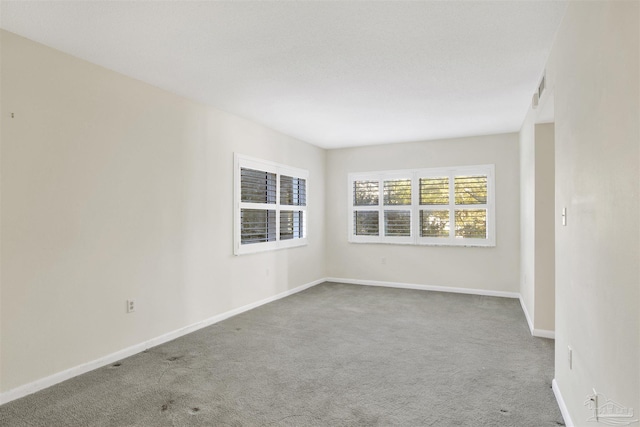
(471,190)
(434,191)
(434,223)
(291,225)
(257,186)
(366,193)
(471,206)
(397,223)
(444,206)
(366,223)
(258,225)
(293,191)
(271,206)
(397,192)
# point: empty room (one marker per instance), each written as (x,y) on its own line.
(319,213)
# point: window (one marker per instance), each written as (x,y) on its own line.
(445,206)
(271,206)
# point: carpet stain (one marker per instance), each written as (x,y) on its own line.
(174,358)
(165,406)
(194,410)
(116,365)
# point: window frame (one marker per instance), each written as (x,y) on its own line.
(247,162)
(414,175)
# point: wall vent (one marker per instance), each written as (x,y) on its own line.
(542,85)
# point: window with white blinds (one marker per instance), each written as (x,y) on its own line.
(271,206)
(452,206)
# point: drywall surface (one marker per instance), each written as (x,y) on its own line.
(597,179)
(113,190)
(494,269)
(544,311)
(527,214)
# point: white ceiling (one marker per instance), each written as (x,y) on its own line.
(335,74)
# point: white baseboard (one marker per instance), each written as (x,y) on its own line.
(59,377)
(541,333)
(526,314)
(470,291)
(563,407)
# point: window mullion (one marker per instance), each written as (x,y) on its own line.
(264,206)
(452,207)
(381,228)
(277,207)
(415,208)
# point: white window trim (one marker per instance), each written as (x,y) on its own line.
(415,207)
(242,161)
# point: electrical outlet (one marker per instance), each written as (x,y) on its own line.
(131,305)
(570,357)
(383,260)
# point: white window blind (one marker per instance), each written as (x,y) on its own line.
(271,205)
(445,206)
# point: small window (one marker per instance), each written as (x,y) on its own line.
(271,208)
(444,206)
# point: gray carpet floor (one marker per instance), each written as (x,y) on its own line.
(333,355)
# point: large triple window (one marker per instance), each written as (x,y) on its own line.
(271,206)
(446,206)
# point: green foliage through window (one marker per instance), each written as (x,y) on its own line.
(471,223)
(434,191)
(471,190)
(365,193)
(434,223)
(397,192)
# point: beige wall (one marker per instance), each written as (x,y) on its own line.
(597,107)
(544,311)
(527,214)
(494,269)
(113,189)
(537,197)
